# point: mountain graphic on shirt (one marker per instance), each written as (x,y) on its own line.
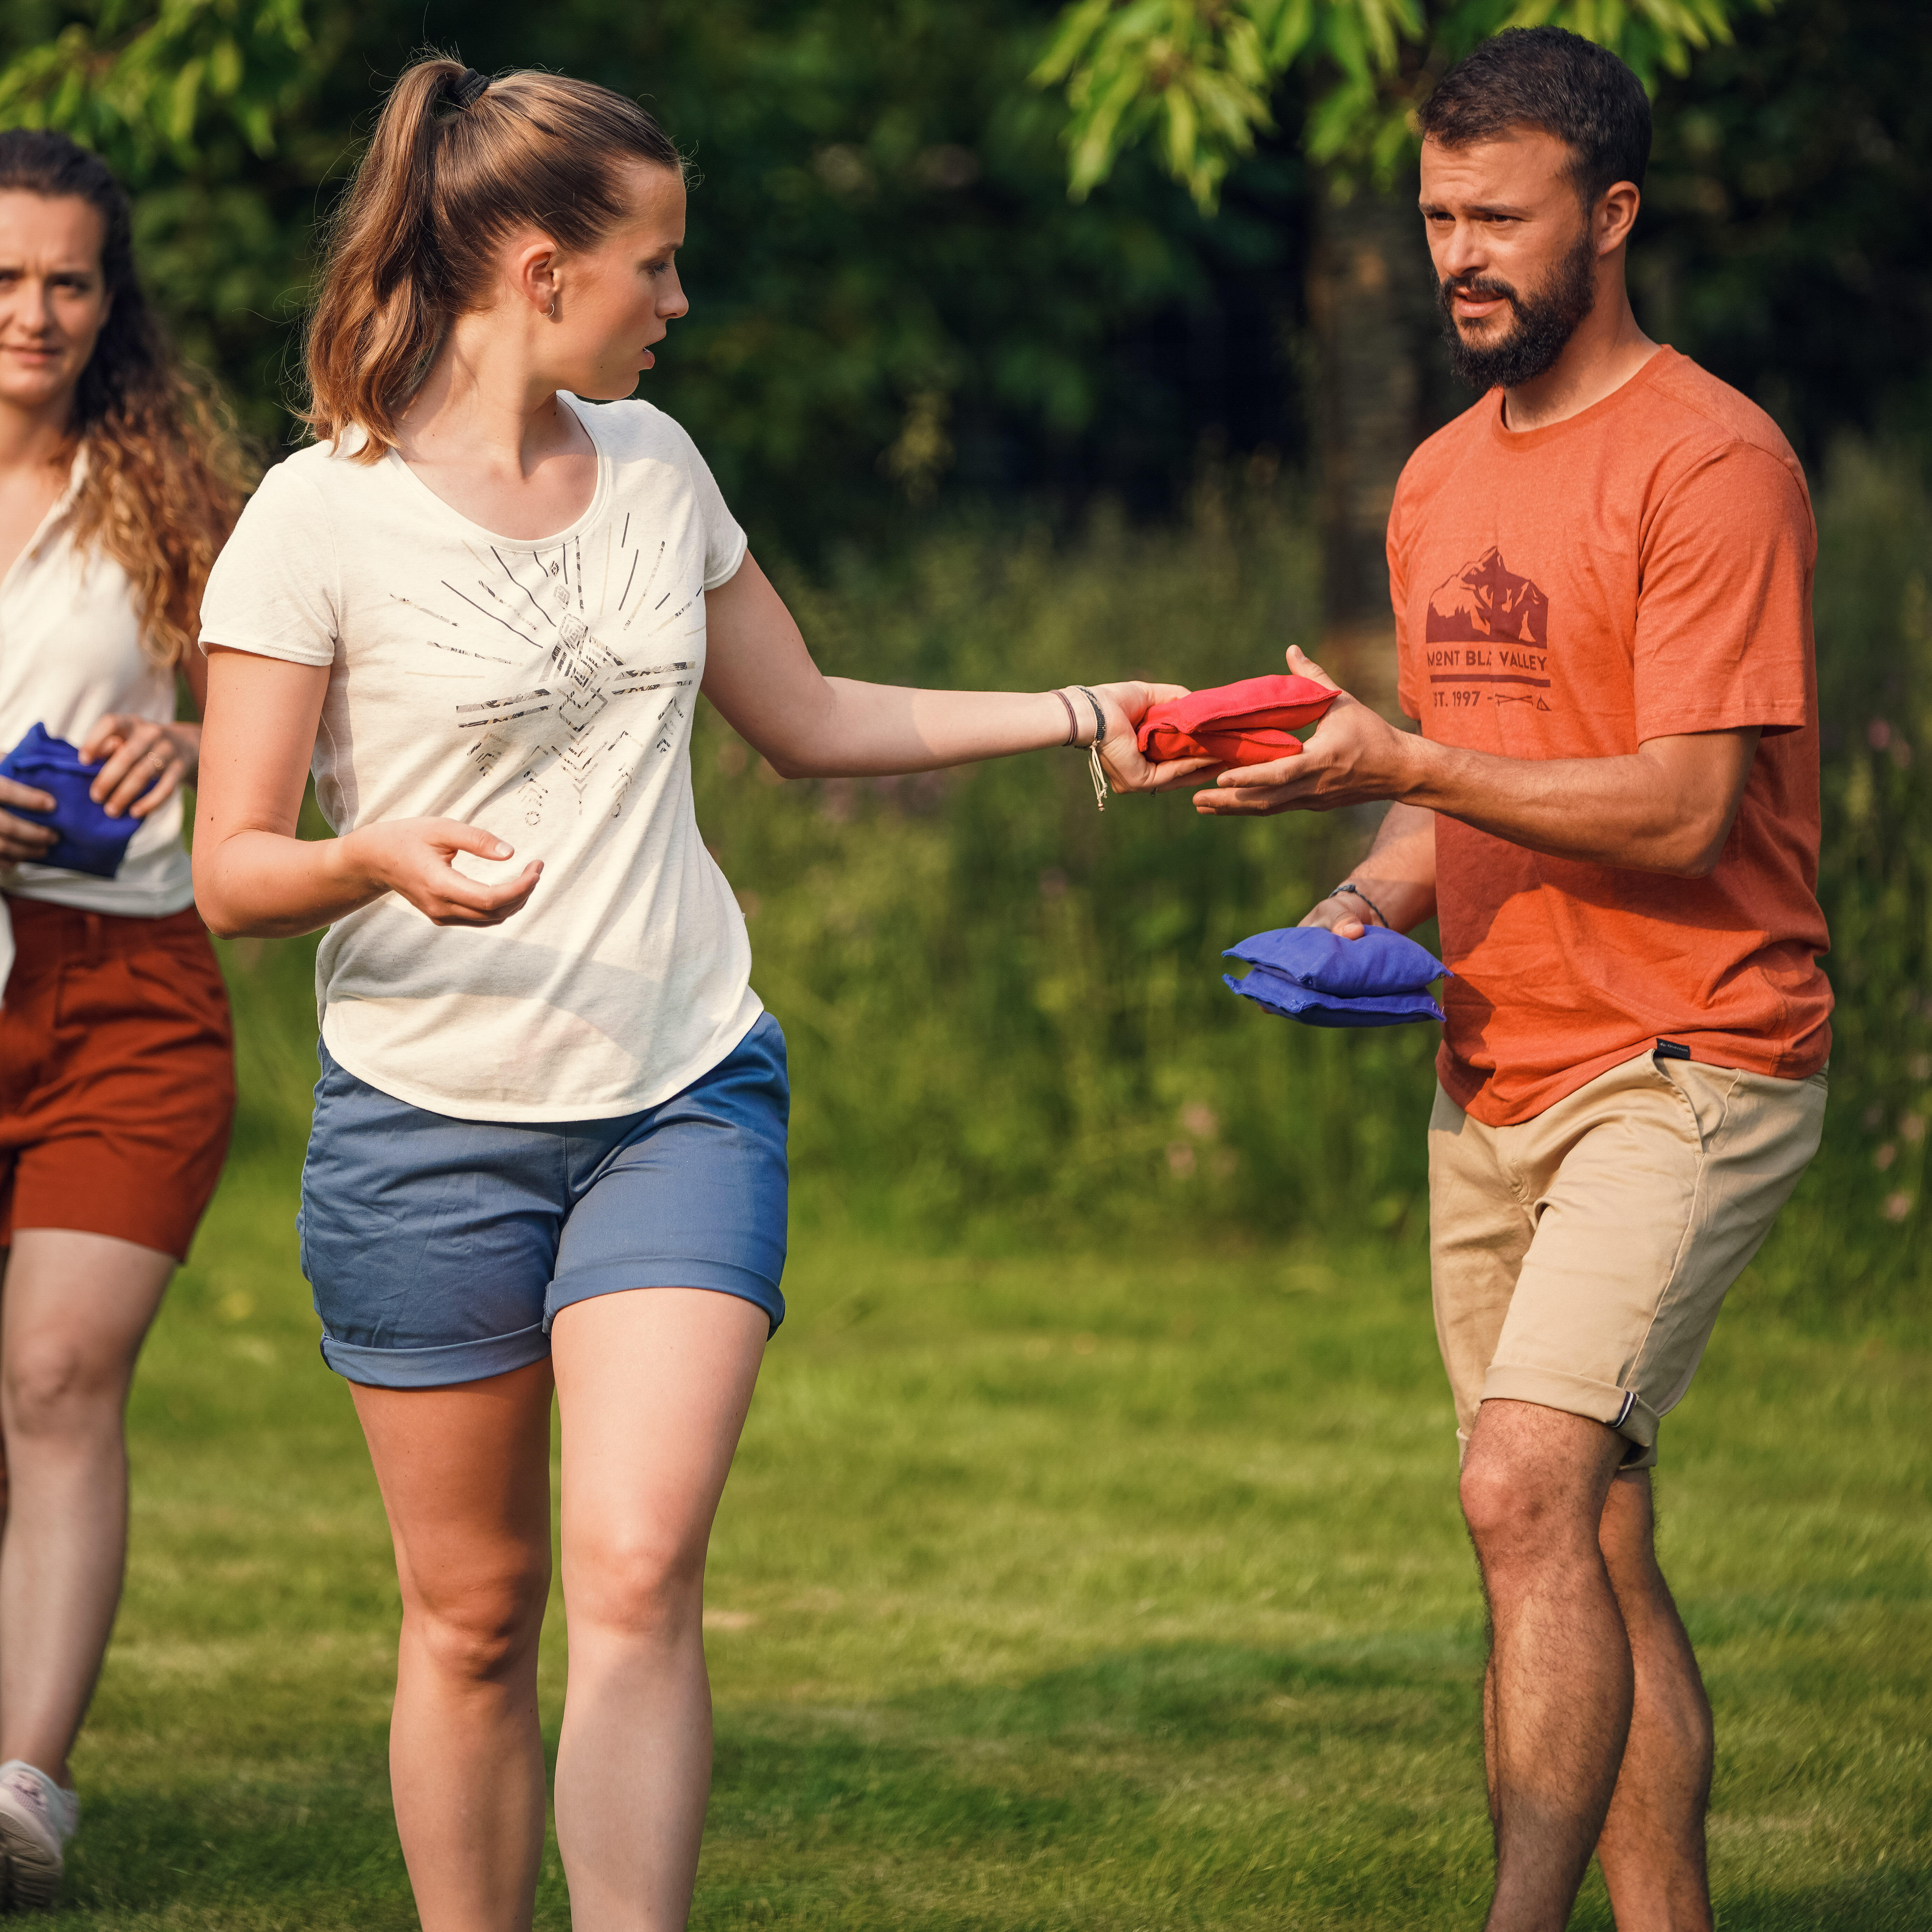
(1485,601)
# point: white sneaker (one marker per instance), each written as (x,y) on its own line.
(36,1819)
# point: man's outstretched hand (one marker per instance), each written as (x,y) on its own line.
(1352,757)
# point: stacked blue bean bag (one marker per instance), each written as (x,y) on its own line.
(1307,973)
(90,841)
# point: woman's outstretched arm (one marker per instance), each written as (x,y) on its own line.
(761,677)
(252,875)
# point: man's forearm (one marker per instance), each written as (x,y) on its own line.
(1666,807)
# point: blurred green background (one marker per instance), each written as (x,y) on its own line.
(983,433)
(1092,1560)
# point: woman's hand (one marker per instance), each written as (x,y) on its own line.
(146,763)
(414,856)
(254,875)
(1127,770)
(20,838)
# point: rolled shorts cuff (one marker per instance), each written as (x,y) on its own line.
(440,1367)
(1623,1410)
(586,1284)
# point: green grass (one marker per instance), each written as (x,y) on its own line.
(1049,1591)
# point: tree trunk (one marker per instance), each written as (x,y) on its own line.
(1369,301)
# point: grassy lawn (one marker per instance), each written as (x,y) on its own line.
(1048,1592)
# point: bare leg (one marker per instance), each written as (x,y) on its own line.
(1489,1743)
(465,1476)
(75,1310)
(1533,1493)
(653,1386)
(1652,1847)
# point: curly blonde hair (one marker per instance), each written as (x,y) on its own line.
(166,472)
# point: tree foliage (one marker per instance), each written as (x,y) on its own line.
(1197,76)
(1783,238)
(894,303)
(891,294)
(140,83)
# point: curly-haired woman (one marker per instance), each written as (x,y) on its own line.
(118,485)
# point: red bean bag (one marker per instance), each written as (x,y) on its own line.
(1250,723)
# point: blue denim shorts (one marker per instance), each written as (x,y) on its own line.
(440,1249)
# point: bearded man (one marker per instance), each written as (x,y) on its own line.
(1602,580)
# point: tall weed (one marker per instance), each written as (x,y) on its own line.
(1853,1240)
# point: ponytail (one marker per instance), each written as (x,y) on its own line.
(458,163)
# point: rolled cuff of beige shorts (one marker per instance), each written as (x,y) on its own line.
(1623,1410)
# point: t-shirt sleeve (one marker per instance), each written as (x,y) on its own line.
(1723,621)
(273,588)
(724,543)
(1408,687)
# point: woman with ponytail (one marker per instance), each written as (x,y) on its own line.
(118,482)
(548,1159)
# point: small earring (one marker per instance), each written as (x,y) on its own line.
(551,311)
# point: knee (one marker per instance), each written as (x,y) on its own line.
(1511,1515)
(54,1386)
(481,1628)
(1490,1504)
(641,1586)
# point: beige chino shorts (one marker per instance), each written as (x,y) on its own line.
(1579,1258)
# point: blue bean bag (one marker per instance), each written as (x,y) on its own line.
(89,842)
(1307,973)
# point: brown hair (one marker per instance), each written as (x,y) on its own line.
(166,472)
(458,160)
(1549,78)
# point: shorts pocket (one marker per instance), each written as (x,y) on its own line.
(1703,1092)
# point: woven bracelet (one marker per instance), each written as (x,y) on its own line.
(1349,885)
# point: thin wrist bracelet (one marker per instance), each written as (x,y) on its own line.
(1349,885)
(1096,770)
(1073,717)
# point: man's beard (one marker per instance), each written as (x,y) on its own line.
(1544,321)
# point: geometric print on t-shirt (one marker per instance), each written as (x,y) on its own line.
(571,753)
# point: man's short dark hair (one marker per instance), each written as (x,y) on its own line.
(1546,77)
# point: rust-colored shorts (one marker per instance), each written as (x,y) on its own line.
(117,1075)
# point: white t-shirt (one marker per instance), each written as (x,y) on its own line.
(543,691)
(69,653)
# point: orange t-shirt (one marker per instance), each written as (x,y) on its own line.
(1641,571)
